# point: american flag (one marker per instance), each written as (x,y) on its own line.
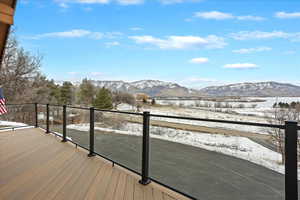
(3,109)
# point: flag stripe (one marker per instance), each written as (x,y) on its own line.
(3,109)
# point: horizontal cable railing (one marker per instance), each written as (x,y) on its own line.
(222,121)
(290,129)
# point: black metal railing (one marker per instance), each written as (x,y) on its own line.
(20,113)
(290,128)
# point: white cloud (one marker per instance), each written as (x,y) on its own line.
(136,29)
(121,2)
(91,1)
(241,66)
(78,33)
(75,33)
(217,15)
(130,2)
(214,15)
(250,35)
(250,18)
(252,50)
(285,15)
(178,1)
(181,42)
(200,60)
(112,44)
(64,3)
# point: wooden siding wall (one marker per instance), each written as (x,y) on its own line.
(6,18)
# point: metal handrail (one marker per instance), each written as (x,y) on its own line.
(20,104)
(120,112)
(221,121)
(291,129)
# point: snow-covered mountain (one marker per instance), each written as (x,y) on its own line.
(168,89)
(253,89)
(150,87)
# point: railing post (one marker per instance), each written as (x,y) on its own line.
(92,132)
(145,154)
(64,123)
(47,119)
(36,115)
(291,174)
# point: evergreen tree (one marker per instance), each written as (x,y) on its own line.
(66,93)
(54,92)
(86,92)
(103,99)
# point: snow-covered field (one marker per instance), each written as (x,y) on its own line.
(248,113)
(209,115)
(239,147)
(247,108)
(266,102)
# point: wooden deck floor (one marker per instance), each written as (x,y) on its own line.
(34,165)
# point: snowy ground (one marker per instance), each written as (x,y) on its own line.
(11,124)
(249,108)
(239,147)
(265,102)
(209,115)
(8,124)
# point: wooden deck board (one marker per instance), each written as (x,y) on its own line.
(148,194)
(158,195)
(110,192)
(57,181)
(98,183)
(138,191)
(29,181)
(38,166)
(129,188)
(120,190)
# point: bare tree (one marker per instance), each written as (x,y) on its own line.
(121,97)
(279,116)
(19,72)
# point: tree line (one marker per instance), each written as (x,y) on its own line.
(292,105)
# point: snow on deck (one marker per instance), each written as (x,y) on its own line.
(11,124)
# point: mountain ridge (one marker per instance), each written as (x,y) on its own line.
(149,87)
(157,88)
(259,89)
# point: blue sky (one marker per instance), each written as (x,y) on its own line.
(193,42)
